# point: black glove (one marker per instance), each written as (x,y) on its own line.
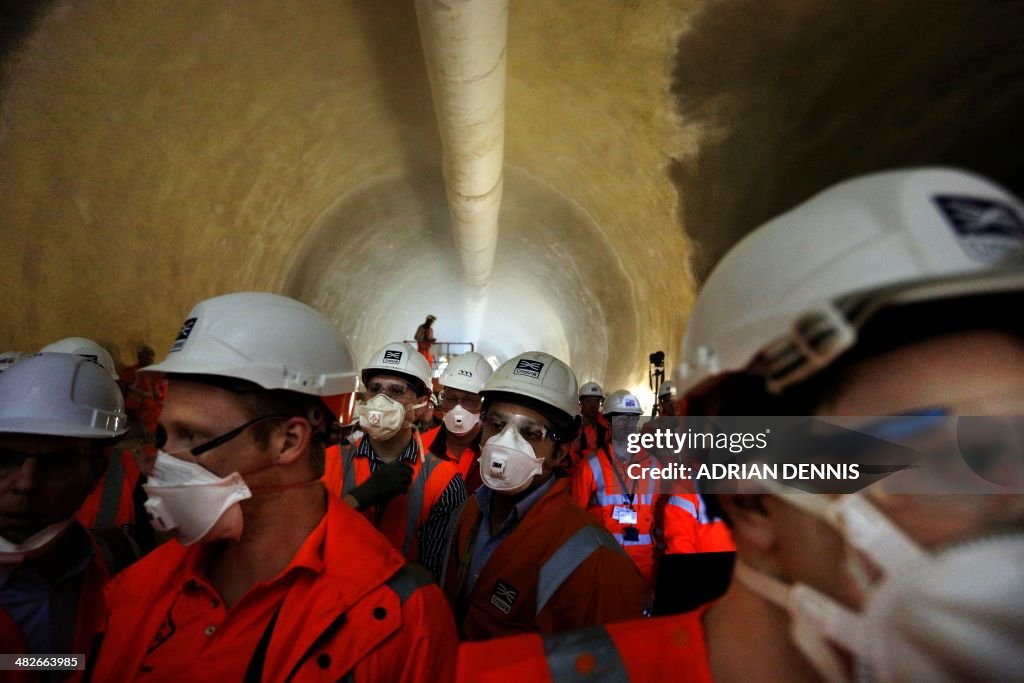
(391,480)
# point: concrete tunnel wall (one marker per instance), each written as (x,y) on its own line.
(153,154)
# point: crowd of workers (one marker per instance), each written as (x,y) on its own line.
(289,521)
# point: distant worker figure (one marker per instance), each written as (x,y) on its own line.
(425,338)
(144,392)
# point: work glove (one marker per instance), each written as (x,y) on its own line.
(391,480)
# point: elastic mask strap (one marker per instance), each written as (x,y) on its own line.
(284,487)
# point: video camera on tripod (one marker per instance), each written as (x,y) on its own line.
(656,374)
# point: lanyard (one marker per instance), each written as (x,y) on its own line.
(622,482)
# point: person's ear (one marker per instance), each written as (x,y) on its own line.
(749,519)
(291,440)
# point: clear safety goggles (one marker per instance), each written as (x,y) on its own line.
(495,422)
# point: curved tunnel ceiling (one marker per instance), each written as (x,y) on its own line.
(152,155)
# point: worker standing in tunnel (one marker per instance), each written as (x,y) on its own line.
(628,505)
(594,430)
(144,393)
(425,340)
(524,556)
(267,578)
(458,438)
(879,584)
(405,491)
(114,510)
(59,415)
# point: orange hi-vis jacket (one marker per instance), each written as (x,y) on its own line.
(557,570)
(403,516)
(112,504)
(669,648)
(145,398)
(689,528)
(348,607)
(89,614)
(628,508)
(466,460)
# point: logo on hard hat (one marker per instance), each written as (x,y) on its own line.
(988,230)
(504,596)
(630,402)
(529,368)
(392,357)
(186,330)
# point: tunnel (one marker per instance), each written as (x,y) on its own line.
(155,154)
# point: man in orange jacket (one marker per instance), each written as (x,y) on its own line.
(594,431)
(524,556)
(883,583)
(612,484)
(268,578)
(59,414)
(458,438)
(406,492)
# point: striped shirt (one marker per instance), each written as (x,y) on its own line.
(434,533)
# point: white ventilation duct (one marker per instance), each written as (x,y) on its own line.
(464,43)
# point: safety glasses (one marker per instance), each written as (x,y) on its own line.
(395,390)
(471,402)
(206,447)
(532,432)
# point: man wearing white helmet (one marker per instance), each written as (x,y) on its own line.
(612,485)
(59,414)
(116,503)
(267,578)
(458,437)
(594,430)
(402,489)
(667,399)
(887,295)
(524,556)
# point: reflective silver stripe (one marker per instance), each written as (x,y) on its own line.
(566,559)
(110,499)
(604,499)
(642,539)
(564,651)
(416,493)
(683,503)
(348,464)
(595,469)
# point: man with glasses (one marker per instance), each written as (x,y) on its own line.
(267,578)
(59,415)
(405,491)
(613,485)
(457,439)
(524,556)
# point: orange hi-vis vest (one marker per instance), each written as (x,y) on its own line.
(628,508)
(89,614)
(403,515)
(466,460)
(556,570)
(592,437)
(112,504)
(671,648)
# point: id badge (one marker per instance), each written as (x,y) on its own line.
(624,515)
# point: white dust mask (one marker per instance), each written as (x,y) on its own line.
(193,503)
(508,462)
(458,420)
(382,416)
(952,615)
(16,553)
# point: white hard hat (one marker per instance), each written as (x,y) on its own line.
(61,394)
(539,376)
(9,358)
(398,358)
(268,339)
(789,298)
(87,348)
(591,389)
(468,372)
(623,403)
(667,389)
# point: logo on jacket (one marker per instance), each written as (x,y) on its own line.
(530,368)
(186,329)
(392,357)
(504,596)
(988,230)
